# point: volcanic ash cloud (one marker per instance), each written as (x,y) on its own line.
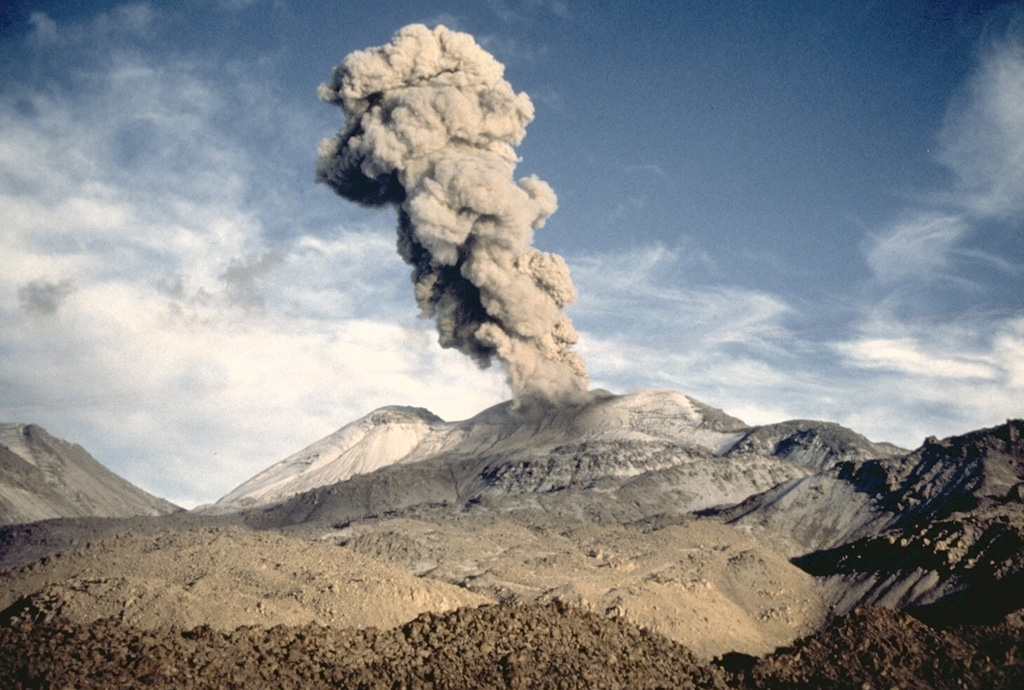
(430,127)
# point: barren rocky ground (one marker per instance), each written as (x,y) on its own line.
(223,577)
(667,607)
(513,591)
(489,647)
(706,585)
(700,583)
(505,646)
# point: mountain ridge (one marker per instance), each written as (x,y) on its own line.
(939,525)
(606,457)
(43,477)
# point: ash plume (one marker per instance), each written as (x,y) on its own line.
(430,128)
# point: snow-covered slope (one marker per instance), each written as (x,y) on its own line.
(43,477)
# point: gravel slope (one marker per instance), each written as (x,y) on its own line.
(708,586)
(223,577)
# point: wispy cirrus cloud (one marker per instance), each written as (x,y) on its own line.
(519,10)
(982,144)
(983,136)
(763,360)
(650,318)
(44,30)
(938,327)
(920,247)
(645,291)
(957,373)
(175,298)
(921,356)
(128,19)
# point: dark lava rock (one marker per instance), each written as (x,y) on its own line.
(884,648)
(490,647)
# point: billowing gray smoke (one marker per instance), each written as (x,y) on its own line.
(430,126)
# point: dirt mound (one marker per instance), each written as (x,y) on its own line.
(884,648)
(223,577)
(27,543)
(705,585)
(503,646)
(488,647)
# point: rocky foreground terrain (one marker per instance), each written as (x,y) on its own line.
(510,646)
(640,541)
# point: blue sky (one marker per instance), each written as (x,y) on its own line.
(784,209)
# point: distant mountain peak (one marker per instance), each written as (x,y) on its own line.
(510,449)
(396,414)
(43,477)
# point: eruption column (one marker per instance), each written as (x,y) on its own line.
(430,127)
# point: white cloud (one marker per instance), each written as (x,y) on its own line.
(983,136)
(961,370)
(121,369)
(169,303)
(237,5)
(645,292)
(936,378)
(646,169)
(912,357)
(135,18)
(644,326)
(44,29)
(758,387)
(916,248)
(122,21)
(519,10)
(1008,348)
(43,297)
(941,257)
